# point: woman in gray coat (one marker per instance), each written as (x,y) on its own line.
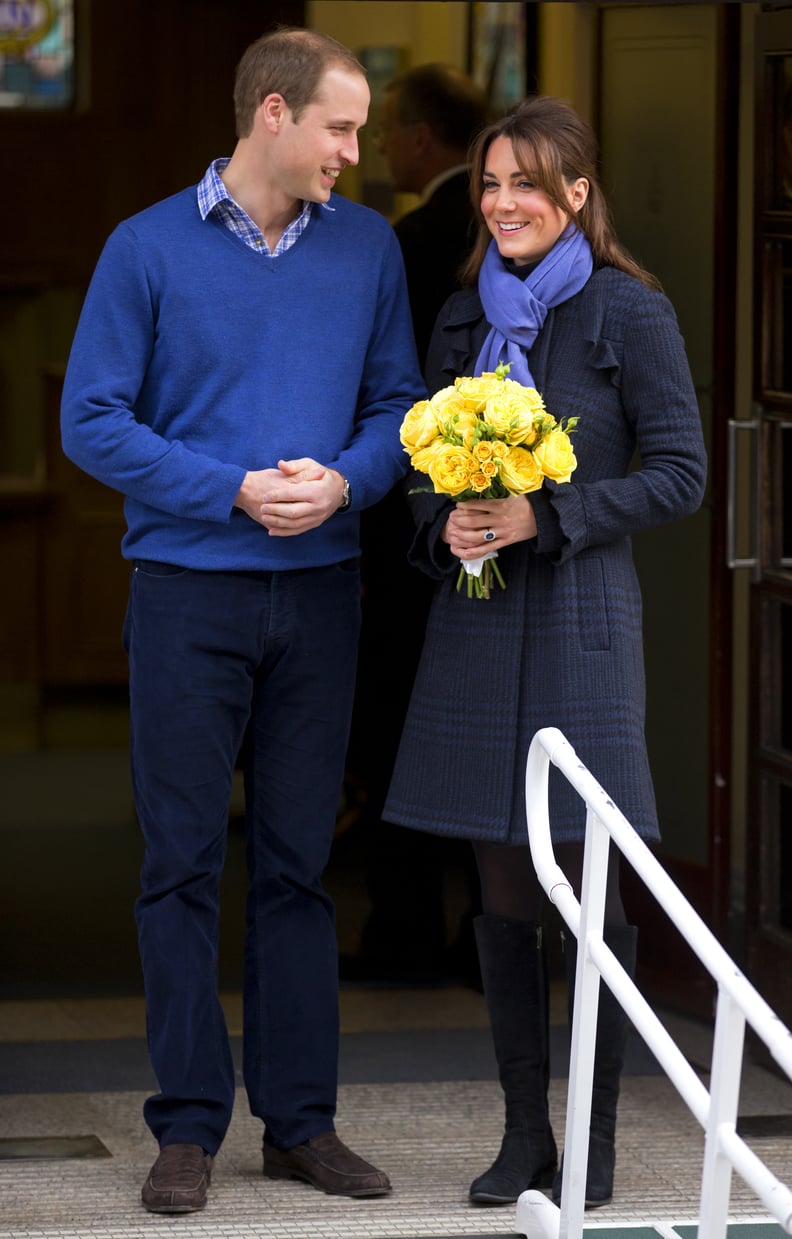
(551,291)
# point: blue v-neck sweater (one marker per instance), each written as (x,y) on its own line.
(197,359)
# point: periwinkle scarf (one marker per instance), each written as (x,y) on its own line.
(517,308)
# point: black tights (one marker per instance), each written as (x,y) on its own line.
(511,889)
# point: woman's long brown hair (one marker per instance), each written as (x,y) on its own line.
(553,146)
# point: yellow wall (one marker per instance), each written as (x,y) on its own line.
(428,30)
(425,31)
(567,51)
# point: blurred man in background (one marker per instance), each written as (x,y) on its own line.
(430,115)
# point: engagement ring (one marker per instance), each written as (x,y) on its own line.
(489,536)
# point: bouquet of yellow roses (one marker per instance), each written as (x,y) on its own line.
(487,438)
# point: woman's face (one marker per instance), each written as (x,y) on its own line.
(521,218)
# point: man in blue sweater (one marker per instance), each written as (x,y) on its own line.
(240,370)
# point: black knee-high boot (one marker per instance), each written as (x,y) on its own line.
(513,970)
(609,1047)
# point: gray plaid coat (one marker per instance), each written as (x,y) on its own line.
(562,644)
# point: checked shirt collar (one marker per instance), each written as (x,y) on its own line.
(214,199)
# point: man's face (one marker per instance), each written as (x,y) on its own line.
(397,144)
(313,151)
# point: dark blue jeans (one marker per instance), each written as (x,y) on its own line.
(214,658)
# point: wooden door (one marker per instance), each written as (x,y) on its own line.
(666,122)
(769,836)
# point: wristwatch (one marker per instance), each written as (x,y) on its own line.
(346,497)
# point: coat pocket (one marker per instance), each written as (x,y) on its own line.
(593,627)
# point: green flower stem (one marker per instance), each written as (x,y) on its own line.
(497,572)
(481,586)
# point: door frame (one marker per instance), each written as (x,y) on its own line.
(669,972)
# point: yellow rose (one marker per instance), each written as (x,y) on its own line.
(513,413)
(450,469)
(519,472)
(419,427)
(556,456)
(483,450)
(474,392)
(529,394)
(488,468)
(480,482)
(422,457)
(464,425)
(446,403)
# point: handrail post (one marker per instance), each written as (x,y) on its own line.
(584,1029)
(727,1059)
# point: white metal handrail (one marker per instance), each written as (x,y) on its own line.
(737,1002)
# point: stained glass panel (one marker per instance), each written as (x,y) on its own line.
(36,53)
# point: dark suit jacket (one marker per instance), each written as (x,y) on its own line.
(435,239)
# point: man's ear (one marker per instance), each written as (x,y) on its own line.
(273,111)
(422,135)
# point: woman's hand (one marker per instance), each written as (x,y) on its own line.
(510,520)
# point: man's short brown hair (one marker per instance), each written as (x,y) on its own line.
(290,62)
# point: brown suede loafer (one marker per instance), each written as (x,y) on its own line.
(328,1164)
(178,1180)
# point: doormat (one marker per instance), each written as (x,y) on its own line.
(765,1126)
(35,1148)
(412,1056)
